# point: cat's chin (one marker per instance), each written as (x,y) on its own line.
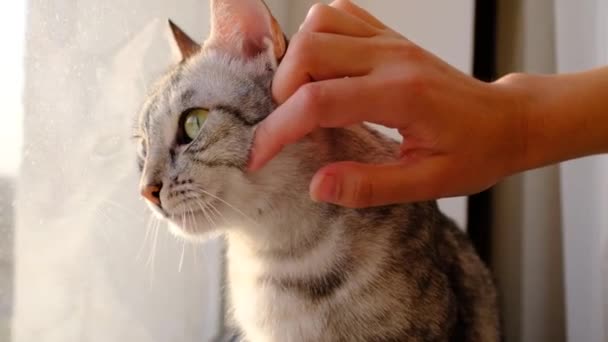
(194,234)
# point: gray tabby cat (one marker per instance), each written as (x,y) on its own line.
(298,270)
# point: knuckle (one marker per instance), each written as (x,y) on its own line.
(311,96)
(415,83)
(302,47)
(408,50)
(411,75)
(362,192)
(317,17)
(514,78)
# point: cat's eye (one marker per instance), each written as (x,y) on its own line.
(192,122)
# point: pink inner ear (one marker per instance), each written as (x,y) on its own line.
(241,27)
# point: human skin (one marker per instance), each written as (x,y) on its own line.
(461,135)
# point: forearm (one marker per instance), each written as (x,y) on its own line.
(562,117)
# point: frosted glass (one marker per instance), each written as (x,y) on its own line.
(82,266)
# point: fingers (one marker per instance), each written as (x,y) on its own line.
(328,19)
(331,103)
(303,112)
(317,57)
(356,185)
(326,47)
(349,7)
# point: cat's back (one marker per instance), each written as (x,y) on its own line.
(421,268)
(425,281)
(426,236)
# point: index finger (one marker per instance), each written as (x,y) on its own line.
(349,7)
(331,103)
(301,114)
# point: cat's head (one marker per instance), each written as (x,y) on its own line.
(196,128)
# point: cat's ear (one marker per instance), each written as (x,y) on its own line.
(186,45)
(245,28)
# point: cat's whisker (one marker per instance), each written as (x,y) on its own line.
(123,208)
(151,218)
(194,223)
(216,213)
(107,219)
(183,221)
(152,255)
(205,192)
(213,208)
(181,258)
(208,213)
(204,211)
(195,255)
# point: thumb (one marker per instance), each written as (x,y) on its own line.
(357,185)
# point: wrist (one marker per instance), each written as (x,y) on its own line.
(560,117)
(513,111)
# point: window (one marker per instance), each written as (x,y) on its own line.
(12,26)
(81,265)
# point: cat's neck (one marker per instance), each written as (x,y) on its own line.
(290,228)
(298,242)
(283,220)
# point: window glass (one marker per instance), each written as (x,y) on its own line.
(87,261)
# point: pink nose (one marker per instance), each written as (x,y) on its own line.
(151,192)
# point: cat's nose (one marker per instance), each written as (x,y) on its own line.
(151,192)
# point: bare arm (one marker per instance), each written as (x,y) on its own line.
(566,116)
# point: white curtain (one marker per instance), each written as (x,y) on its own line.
(551,225)
(582,43)
(80,225)
(527,255)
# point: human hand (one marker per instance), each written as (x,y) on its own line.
(346,67)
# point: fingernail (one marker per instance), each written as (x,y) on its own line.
(324,188)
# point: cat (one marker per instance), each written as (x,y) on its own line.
(298,270)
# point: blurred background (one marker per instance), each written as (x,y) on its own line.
(80,259)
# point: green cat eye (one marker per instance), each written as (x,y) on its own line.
(195,118)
